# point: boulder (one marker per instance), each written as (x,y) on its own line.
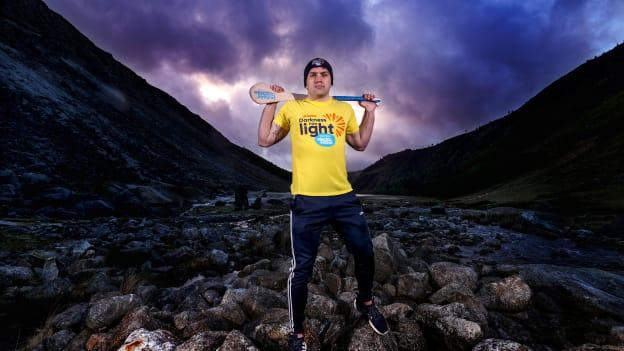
(237,341)
(414,286)
(105,312)
(499,345)
(510,294)
(443,273)
(208,340)
(145,340)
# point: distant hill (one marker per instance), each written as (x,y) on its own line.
(562,150)
(82,133)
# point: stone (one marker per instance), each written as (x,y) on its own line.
(499,345)
(50,270)
(59,340)
(388,257)
(319,306)
(511,294)
(365,338)
(237,341)
(105,312)
(413,285)
(207,340)
(443,273)
(145,340)
(70,317)
(454,331)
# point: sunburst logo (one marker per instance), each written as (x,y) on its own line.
(338,121)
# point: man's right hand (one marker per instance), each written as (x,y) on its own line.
(276,88)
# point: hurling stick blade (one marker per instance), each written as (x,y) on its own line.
(261,93)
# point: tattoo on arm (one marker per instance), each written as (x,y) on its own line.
(277,133)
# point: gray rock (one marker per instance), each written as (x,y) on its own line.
(319,306)
(587,289)
(268,279)
(409,336)
(499,345)
(70,317)
(456,332)
(510,294)
(388,257)
(413,285)
(258,299)
(145,340)
(264,263)
(55,289)
(105,312)
(333,283)
(94,208)
(79,247)
(136,319)
(13,274)
(450,293)
(230,312)
(59,340)
(237,341)
(218,258)
(208,340)
(326,252)
(365,338)
(443,273)
(57,194)
(272,331)
(319,269)
(396,311)
(50,270)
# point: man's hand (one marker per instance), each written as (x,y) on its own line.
(368,105)
(276,88)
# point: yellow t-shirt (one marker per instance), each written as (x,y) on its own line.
(318,132)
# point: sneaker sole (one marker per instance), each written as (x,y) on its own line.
(369,321)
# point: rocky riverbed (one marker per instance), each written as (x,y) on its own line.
(214,279)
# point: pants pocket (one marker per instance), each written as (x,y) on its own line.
(295,204)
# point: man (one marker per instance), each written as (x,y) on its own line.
(320,126)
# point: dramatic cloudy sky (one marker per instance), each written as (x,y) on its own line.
(442,67)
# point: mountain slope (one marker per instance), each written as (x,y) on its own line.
(563,148)
(74,118)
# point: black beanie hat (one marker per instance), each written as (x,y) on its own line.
(317,62)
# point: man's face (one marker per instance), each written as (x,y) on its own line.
(318,81)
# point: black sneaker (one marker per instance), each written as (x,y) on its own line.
(375,318)
(296,344)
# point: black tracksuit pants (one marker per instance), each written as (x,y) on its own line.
(308,216)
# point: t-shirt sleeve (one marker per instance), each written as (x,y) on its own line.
(282,118)
(352,125)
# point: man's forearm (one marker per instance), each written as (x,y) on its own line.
(264,128)
(366,128)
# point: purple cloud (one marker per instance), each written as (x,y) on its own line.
(441,67)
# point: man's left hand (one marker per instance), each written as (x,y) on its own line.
(368,105)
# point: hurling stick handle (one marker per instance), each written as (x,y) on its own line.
(355,98)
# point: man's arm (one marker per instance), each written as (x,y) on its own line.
(359,140)
(269,133)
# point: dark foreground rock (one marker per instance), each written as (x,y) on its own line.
(212,280)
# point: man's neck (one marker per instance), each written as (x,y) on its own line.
(319,97)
